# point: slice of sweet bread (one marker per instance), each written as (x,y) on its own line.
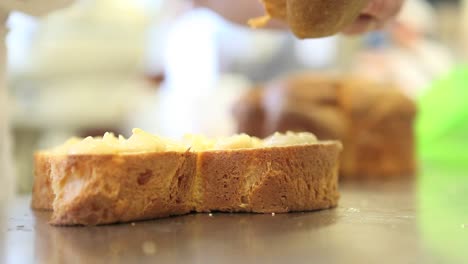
(109,180)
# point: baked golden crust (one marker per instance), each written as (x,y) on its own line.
(315,18)
(103,189)
(42,194)
(280,179)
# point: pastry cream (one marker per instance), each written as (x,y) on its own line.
(289,139)
(142,141)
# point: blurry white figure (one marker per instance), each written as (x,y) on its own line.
(83,70)
(199,88)
(7,179)
(6,164)
(191,68)
(210,62)
(317,53)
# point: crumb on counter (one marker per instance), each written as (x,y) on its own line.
(149,248)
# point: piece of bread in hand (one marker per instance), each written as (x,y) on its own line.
(108,180)
(374,121)
(312,18)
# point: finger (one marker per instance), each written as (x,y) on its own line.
(383,10)
(364,23)
(374,16)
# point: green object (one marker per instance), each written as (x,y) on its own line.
(442,214)
(442,126)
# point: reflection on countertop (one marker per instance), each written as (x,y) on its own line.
(391,222)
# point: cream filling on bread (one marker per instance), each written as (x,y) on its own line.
(289,139)
(142,141)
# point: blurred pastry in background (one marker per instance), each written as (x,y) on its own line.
(373,120)
(250,113)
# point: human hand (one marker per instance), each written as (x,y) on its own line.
(375,15)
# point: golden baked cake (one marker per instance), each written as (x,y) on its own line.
(374,121)
(107,180)
(311,18)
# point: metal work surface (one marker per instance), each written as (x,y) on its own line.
(420,221)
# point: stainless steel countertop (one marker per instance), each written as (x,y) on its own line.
(419,221)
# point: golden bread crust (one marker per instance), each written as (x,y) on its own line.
(315,18)
(104,189)
(42,194)
(281,179)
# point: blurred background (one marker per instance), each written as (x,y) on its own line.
(171,68)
